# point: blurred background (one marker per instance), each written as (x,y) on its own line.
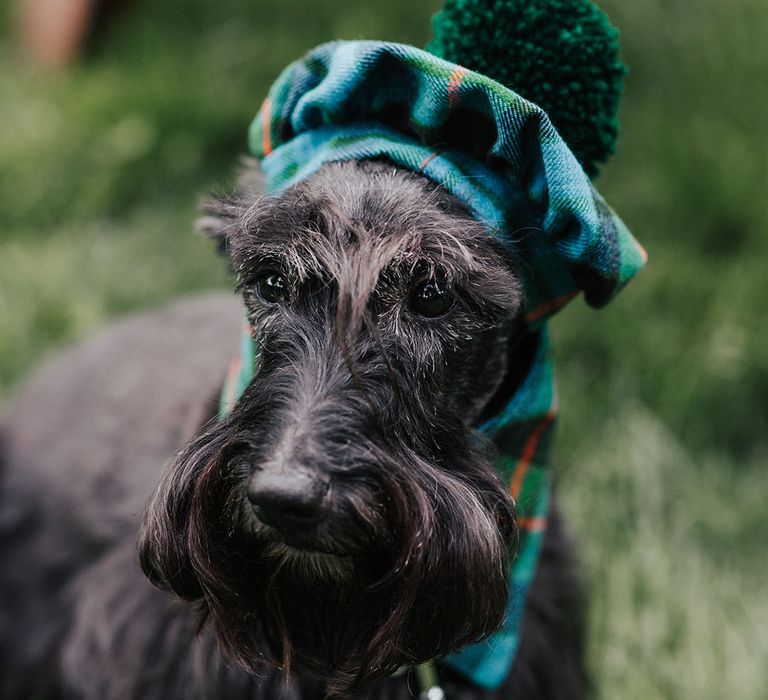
(663,445)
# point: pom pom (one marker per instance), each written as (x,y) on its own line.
(561,54)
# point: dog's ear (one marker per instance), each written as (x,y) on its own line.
(220,214)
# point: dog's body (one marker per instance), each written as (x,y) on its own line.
(393,545)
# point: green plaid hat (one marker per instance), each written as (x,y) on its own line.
(501,157)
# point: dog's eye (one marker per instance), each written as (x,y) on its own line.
(432,298)
(272,286)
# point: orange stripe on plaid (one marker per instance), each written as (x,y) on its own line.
(532,524)
(429,159)
(642,251)
(549,307)
(266,139)
(529,450)
(232,373)
(454,82)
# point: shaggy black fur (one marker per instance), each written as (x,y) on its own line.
(344,520)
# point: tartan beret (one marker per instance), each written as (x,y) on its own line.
(497,152)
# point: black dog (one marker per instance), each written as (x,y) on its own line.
(343,521)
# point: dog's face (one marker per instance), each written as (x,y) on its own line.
(345,516)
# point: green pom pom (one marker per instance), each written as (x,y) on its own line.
(561,54)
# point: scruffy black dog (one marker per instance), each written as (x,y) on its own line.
(343,521)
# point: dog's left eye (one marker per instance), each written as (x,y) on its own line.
(272,286)
(432,298)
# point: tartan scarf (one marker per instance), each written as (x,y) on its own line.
(501,157)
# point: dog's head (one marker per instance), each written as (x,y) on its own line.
(345,515)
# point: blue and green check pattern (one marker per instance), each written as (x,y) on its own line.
(488,146)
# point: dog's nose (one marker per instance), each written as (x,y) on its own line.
(291,502)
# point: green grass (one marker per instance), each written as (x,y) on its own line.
(663,446)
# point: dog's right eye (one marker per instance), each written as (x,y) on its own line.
(432,298)
(271,286)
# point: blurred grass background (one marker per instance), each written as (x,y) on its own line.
(663,445)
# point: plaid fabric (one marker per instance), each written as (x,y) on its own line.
(500,155)
(494,150)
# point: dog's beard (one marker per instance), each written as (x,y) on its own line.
(420,570)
